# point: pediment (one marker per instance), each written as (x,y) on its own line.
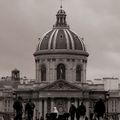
(61,85)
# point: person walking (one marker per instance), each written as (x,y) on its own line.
(72,111)
(29,109)
(81,111)
(77,113)
(99,109)
(17,106)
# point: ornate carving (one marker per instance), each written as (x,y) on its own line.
(61,85)
(48,105)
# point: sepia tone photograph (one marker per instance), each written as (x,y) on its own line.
(59,60)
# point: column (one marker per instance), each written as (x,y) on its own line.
(39,73)
(48,72)
(52,104)
(73,75)
(51,72)
(82,75)
(118,116)
(87,108)
(84,72)
(45,108)
(54,72)
(40,108)
(69,71)
(69,103)
(36,70)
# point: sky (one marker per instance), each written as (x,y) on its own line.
(22,22)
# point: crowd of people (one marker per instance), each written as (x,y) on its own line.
(80,112)
(75,113)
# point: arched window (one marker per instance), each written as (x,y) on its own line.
(61,71)
(43,73)
(78,73)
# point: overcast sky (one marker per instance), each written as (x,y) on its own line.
(22,22)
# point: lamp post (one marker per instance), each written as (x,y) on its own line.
(107,98)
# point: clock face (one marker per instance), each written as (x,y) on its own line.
(60,109)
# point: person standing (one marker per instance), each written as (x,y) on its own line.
(99,109)
(72,111)
(18,108)
(29,109)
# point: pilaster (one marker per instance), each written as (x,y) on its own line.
(45,108)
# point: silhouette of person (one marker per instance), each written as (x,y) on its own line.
(91,114)
(72,111)
(99,108)
(18,108)
(55,111)
(29,109)
(66,116)
(80,111)
(77,113)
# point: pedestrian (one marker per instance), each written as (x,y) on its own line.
(91,113)
(29,109)
(81,111)
(18,108)
(55,111)
(77,113)
(99,109)
(72,111)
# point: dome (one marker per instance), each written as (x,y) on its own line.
(61,38)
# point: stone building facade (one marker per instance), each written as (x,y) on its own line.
(61,61)
(61,64)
